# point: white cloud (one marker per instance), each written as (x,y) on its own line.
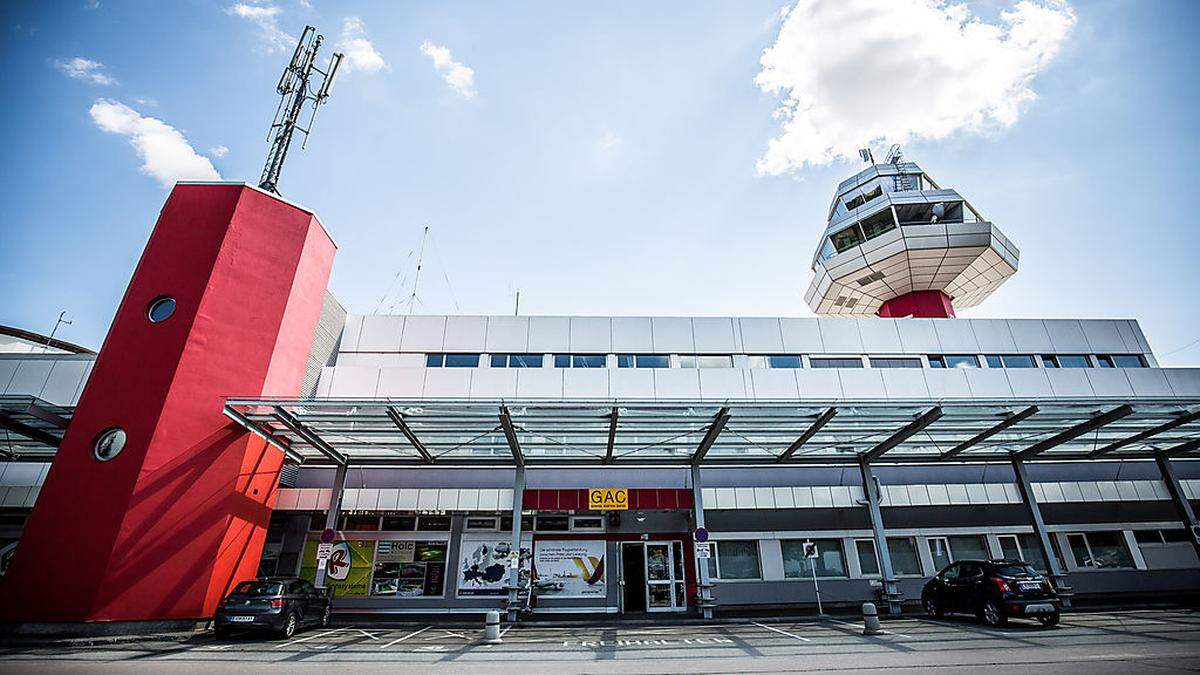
(857,72)
(166,155)
(85,69)
(460,77)
(218,151)
(266,17)
(360,53)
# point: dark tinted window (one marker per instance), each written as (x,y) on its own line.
(433,523)
(652,361)
(1073,361)
(1014,570)
(970,570)
(624,360)
(783,361)
(1104,361)
(835,363)
(462,360)
(1175,536)
(1128,361)
(259,588)
(399,523)
(360,523)
(953,361)
(555,523)
(434,360)
(895,363)
(993,361)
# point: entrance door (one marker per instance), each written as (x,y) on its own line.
(664,577)
(633,577)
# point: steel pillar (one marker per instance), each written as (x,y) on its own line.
(1186,514)
(514,573)
(704,584)
(332,515)
(891,594)
(1057,575)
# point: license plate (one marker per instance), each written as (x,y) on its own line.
(1039,609)
(241,619)
(1030,587)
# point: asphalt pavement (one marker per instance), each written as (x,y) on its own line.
(1142,641)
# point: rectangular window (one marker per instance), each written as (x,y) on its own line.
(969,547)
(1104,361)
(705,361)
(830,561)
(643,361)
(482,523)
(553,523)
(399,523)
(847,238)
(994,361)
(1073,361)
(893,362)
(1010,361)
(516,360)
(580,361)
(360,523)
(902,550)
(735,560)
(587,524)
(1024,547)
(954,361)
(1100,550)
(452,360)
(877,224)
(1129,361)
(939,550)
(433,524)
(526,523)
(835,362)
(435,360)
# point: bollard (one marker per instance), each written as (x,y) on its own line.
(871,620)
(491,629)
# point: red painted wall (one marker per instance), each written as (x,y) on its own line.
(166,527)
(919,304)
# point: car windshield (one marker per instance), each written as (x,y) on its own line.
(258,588)
(1015,570)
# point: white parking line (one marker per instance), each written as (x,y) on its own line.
(505,631)
(366,633)
(310,637)
(402,639)
(858,627)
(781,632)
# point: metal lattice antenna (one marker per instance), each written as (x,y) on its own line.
(295,90)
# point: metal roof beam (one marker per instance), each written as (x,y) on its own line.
(1181,449)
(925,419)
(805,437)
(32,433)
(710,437)
(297,427)
(402,425)
(1009,421)
(612,436)
(1173,424)
(254,428)
(1075,431)
(510,434)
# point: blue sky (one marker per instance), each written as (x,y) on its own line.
(609,158)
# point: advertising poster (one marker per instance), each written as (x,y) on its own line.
(569,569)
(409,569)
(348,569)
(484,564)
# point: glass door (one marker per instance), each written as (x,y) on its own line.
(664,579)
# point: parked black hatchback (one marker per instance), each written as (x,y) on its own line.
(994,591)
(278,604)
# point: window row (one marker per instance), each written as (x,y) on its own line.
(739,560)
(456,360)
(542,522)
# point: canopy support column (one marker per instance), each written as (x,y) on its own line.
(1057,575)
(891,593)
(704,583)
(1186,514)
(332,515)
(514,572)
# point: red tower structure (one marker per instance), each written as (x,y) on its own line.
(156,503)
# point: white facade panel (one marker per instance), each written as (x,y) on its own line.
(632,334)
(350,333)
(947,383)
(591,334)
(631,383)
(955,336)
(539,383)
(819,384)
(448,382)
(8,368)
(30,377)
(904,383)
(1109,381)
(64,380)
(918,336)
(676,383)
(993,336)
(713,336)
(1069,382)
(840,336)
(1030,336)
(494,383)
(1066,335)
(1148,382)
(423,333)
(862,383)
(378,333)
(549,334)
(761,336)
(988,383)
(585,383)
(401,382)
(1103,337)
(1184,382)
(672,335)
(721,383)
(354,382)
(773,384)
(1030,382)
(880,336)
(801,336)
(507,334)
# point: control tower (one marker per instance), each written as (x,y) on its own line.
(897,244)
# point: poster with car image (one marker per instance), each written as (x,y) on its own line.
(484,564)
(409,569)
(569,569)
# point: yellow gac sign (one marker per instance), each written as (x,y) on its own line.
(608,499)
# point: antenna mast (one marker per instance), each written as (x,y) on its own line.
(295,90)
(417,278)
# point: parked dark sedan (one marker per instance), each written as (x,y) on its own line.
(278,604)
(994,591)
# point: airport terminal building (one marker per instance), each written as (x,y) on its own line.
(616,464)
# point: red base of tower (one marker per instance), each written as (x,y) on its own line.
(918,304)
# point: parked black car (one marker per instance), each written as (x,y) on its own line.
(994,591)
(278,604)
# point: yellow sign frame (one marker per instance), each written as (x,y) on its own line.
(608,499)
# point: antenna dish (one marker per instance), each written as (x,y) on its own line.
(866,155)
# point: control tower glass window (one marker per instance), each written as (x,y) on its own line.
(847,238)
(881,222)
(853,202)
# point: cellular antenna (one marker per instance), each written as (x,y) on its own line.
(297,86)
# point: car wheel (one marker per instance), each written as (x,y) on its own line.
(992,615)
(325,616)
(220,631)
(289,626)
(1048,620)
(932,608)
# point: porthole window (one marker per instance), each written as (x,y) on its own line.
(161,309)
(109,444)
